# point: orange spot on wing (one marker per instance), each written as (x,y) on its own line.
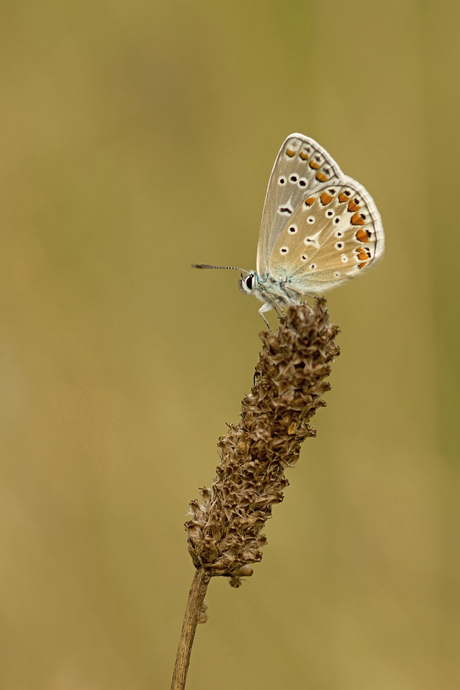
(310,200)
(362,235)
(357,220)
(326,198)
(314,165)
(290,153)
(352,206)
(303,155)
(321,177)
(362,255)
(361,265)
(342,197)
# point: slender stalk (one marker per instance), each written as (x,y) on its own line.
(191,618)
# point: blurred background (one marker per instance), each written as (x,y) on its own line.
(137,138)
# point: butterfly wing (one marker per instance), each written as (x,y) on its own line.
(335,233)
(301,168)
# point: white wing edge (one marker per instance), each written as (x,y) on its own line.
(377,220)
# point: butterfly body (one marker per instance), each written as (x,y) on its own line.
(319,229)
(273,293)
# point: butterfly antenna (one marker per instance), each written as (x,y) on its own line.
(231,268)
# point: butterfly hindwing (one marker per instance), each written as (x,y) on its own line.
(333,234)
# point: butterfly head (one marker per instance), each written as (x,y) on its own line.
(249,284)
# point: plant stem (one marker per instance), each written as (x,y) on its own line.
(191,617)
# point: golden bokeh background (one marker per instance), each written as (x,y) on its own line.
(137,138)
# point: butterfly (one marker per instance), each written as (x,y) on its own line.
(320,228)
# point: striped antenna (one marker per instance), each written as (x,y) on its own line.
(231,268)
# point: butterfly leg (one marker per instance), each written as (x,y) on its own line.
(268,325)
(265,307)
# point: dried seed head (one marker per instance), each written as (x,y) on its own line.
(224,532)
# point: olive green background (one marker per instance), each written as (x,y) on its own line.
(137,138)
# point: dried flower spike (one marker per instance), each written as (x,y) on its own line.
(224,532)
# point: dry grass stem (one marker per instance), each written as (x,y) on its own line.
(193,616)
(224,529)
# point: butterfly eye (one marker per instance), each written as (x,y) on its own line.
(293,229)
(249,280)
(311,220)
(284,250)
(282,180)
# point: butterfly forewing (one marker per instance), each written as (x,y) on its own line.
(301,168)
(333,234)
